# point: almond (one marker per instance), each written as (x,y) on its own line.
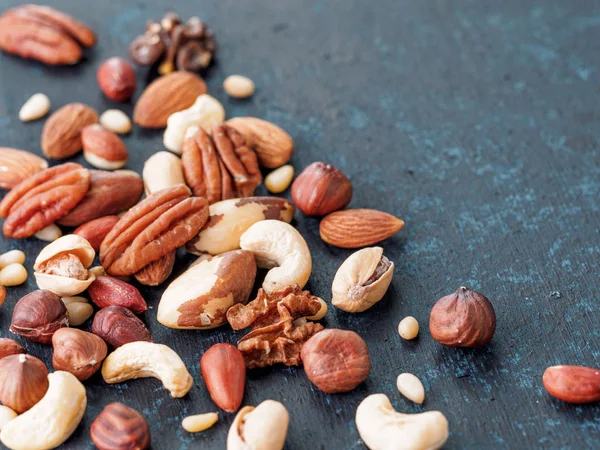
(353,228)
(273,146)
(109,291)
(96,230)
(573,384)
(16,165)
(158,271)
(102,148)
(61,137)
(224,372)
(167,95)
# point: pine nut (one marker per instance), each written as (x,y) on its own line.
(411,387)
(49,234)
(280,179)
(321,313)
(79,312)
(98,271)
(6,415)
(35,108)
(199,422)
(115,121)
(238,86)
(75,299)
(13,275)
(11,257)
(408,328)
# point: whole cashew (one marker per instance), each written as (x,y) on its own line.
(382,428)
(52,420)
(146,359)
(278,246)
(260,428)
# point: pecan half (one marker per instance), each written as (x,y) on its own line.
(42,199)
(274,337)
(152,229)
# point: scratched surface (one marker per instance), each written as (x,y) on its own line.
(476,122)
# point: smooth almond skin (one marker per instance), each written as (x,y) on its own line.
(61,137)
(16,165)
(200,297)
(102,148)
(157,272)
(224,372)
(109,291)
(165,96)
(273,145)
(96,230)
(573,384)
(355,228)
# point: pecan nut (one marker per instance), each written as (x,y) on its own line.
(275,338)
(109,193)
(152,229)
(222,168)
(42,199)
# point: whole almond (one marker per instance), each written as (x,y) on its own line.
(573,384)
(224,372)
(109,291)
(102,148)
(61,137)
(109,193)
(158,271)
(273,146)
(96,230)
(16,165)
(165,96)
(354,228)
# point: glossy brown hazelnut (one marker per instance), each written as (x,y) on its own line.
(10,347)
(336,360)
(120,427)
(77,352)
(116,79)
(463,319)
(23,381)
(38,315)
(119,326)
(321,189)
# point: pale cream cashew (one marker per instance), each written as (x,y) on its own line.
(278,246)
(52,420)
(261,428)
(145,359)
(382,428)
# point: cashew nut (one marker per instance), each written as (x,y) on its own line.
(382,428)
(278,246)
(260,428)
(146,359)
(52,420)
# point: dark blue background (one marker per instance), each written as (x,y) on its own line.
(475,122)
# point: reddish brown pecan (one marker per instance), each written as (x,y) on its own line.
(152,229)
(42,199)
(77,29)
(274,337)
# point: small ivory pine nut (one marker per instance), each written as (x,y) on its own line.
(79,313)
(238,86)
(13,275)
(321,313)
(408,328)
(35,108)
(98,271)
(199,422)
(49,234)
(6,415)
(115,121)
(11,257)
(280,179)
(411,387)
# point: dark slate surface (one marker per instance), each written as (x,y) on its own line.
(473,121)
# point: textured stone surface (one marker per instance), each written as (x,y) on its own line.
(475,122)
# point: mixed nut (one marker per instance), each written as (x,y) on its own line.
(203,201)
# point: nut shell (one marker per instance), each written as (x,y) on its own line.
(38,315)
(463,319)
(336,360)
(116,79)
(119,326)
(23,381)
(224,372)
(321,189)
(77,352)
(119,427)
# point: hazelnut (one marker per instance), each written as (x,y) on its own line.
(119,326)
(38,315)
(336,360)
(116,79)
(23,381)
(321,189)
(78,352)
(120,427)
(463,319)
(9,347)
